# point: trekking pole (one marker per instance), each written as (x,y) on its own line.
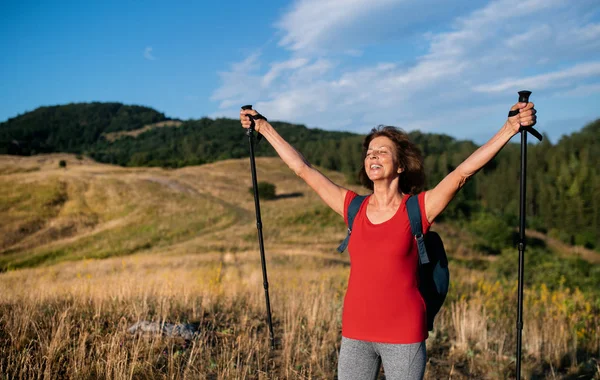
(523,98)
(250,134)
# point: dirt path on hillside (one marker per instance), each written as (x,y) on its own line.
(562,248)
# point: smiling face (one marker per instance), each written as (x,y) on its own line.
(380,161)
(390,144)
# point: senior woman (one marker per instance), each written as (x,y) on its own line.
(384,316)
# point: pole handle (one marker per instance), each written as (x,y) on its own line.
(252,123)
(524,98)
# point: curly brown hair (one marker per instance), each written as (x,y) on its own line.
(408,155)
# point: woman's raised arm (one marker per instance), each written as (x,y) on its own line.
(438,198)
(332,194)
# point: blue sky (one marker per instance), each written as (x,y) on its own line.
(449,67)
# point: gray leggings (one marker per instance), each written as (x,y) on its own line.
(360,360)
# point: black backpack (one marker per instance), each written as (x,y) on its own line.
(434,276)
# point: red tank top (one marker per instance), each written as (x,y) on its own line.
(383,302)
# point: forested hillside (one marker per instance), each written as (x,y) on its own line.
(563,178)
(73,128)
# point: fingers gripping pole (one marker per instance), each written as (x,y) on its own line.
(250,134)
(524,98)
(252,123)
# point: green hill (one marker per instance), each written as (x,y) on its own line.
(87,210)
(563,178)
(73,128)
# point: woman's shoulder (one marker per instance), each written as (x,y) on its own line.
(350,195)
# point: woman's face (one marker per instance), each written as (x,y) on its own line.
(380,162)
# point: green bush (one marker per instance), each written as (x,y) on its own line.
(545,267)
(561,235)
(492,233)
(586,239)
(266,190)
(62,163)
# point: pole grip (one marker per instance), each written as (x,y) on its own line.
(252,123)
(524,98)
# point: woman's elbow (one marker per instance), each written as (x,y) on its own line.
(461,178)
(301,169)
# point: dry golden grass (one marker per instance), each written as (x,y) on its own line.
(70,320)
(191,256)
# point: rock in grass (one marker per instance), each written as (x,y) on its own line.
(180,330)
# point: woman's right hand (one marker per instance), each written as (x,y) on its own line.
(246,120)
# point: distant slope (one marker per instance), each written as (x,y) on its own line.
(96,210)
(70,128)
(563,178)
(90,210)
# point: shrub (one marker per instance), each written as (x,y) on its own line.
(561,235)
(62,163)
(266,190)
(586,239)
(491,233)
(543,266)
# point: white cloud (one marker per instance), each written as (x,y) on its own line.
(586,36)
(537,34)
(354,52)
(468,65)
(148,53)
(239,84)
(312,72)
(583,90)
(588,32)
(345,26)
(543,81)
(312,21)
(278,67)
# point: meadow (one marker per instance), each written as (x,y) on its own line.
(88,250)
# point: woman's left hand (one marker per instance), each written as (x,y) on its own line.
(525,118)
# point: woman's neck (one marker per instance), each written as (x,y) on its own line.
(386,195)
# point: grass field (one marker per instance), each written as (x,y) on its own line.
(88,250)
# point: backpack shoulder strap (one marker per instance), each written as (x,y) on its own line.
(414,215)
(353,208)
